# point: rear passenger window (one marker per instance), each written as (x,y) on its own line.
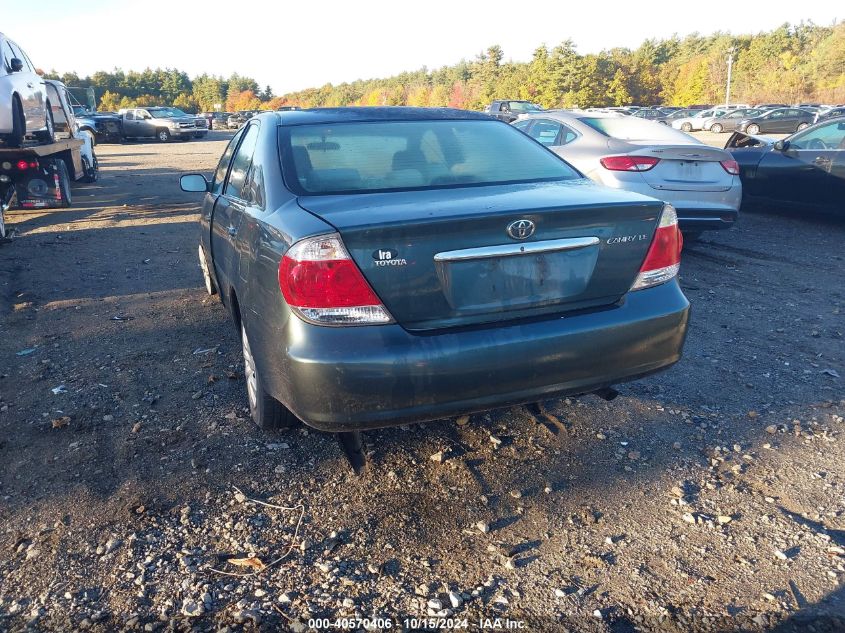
(241,163)
(551,133)
(522,125)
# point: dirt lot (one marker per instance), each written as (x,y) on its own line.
(709,497)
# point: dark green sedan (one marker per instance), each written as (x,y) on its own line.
(389,265)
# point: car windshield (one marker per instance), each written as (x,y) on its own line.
(633,129)
(165,113)
(404,155)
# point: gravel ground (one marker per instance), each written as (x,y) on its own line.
(706,498)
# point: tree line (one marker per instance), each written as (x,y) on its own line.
(792,63)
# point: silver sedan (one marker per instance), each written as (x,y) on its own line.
(622,152)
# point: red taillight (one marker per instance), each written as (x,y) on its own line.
(321,283)
(664,255)
(23,165)
(730,166)
(629,163)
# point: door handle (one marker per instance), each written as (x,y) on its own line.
(232,231)
(821,161)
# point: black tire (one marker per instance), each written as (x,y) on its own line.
(686,127)
(210,286)
(2,222)
(802,126)
(49,135)
(753,129)
(64,184)
(91,171)
(268,413)
(163,135)
(716,128)
(15,139)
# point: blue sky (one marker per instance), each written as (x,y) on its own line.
(298,44)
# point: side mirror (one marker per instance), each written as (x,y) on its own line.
(781,145)
(16,65)
(194,183)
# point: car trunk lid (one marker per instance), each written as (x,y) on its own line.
(684,167)
(443,257)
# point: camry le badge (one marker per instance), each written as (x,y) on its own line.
(521,229)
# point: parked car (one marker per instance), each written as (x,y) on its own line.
(675,115)
(202,124)
(101,127)
(695,121)
(781,120)
(67,126)
(160,123)
(219,120)
(24,105)
(829,114)
(701,182)
(728,121)
(507,111)
(388,265)
(805,171)
(239,119)
(650,114)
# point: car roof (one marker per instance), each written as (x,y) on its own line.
(371,114)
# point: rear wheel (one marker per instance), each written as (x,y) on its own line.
(801,126)
(163,135)
(64,183)
(15,139)
(686,127)
(90,171)
(267,412)
(716,128)
(753,129)
(49,134)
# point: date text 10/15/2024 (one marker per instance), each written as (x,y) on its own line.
(384,624)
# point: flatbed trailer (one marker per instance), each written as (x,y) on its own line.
(39,176)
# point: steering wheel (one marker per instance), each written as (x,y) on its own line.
(816,143)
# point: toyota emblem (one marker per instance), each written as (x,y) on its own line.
(521,229)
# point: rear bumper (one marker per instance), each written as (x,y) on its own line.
(697,210)
(706,219)
(342,379)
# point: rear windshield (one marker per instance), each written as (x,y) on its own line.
(402,155)
(633,129)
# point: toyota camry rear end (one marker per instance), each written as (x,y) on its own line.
(391,265)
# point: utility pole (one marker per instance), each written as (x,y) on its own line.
(731,52)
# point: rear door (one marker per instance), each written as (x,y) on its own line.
(229,208)
(552,134)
